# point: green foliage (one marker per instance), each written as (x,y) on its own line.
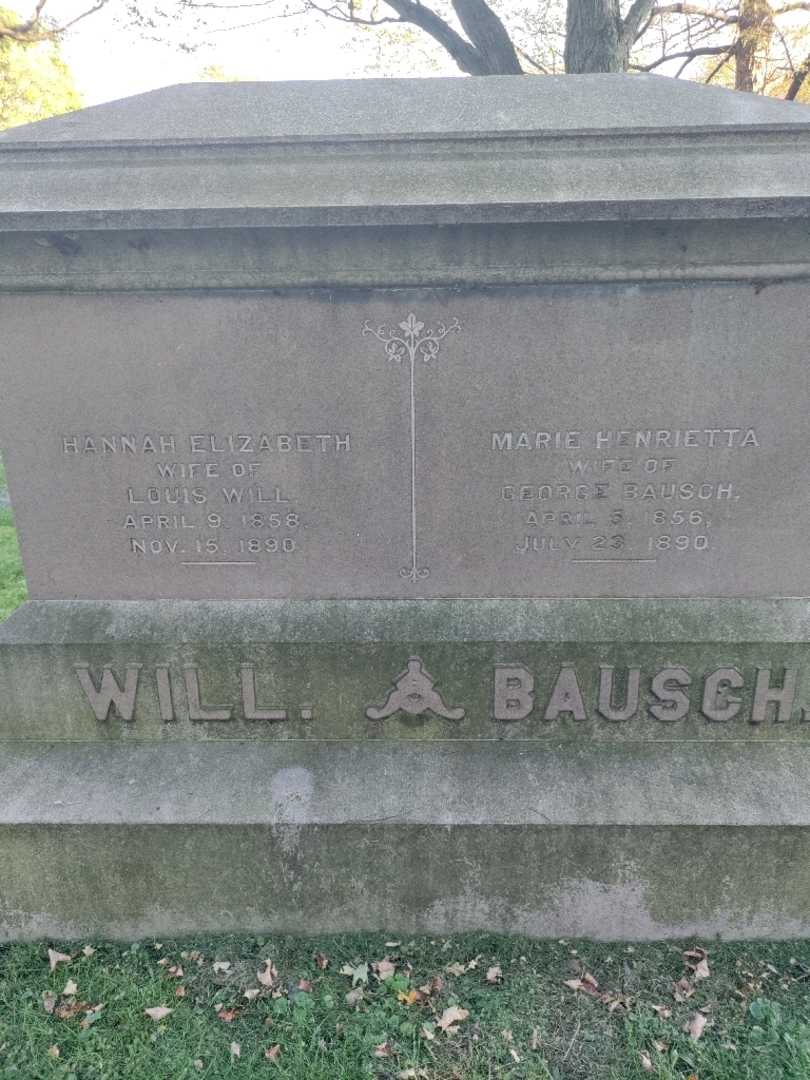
(35,82)
(526,1024)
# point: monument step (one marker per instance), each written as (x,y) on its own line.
(609,841)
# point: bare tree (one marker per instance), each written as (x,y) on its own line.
(38,26)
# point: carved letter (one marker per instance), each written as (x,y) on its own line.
(666,687)
(196,711)
(566,696)
(110,696)
(605,706)
(513,697)
(764,694)
(249,698)
(717,705)
(164,692)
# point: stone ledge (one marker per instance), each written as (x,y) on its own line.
(74,622)
(324,783)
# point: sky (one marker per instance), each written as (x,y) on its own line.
(110,61)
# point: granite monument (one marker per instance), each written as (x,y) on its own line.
(411,479)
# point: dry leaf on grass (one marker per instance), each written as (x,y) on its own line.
(646,1061)
(175,971)
(251,995)
(48,1000)
(180,991)
(221,965)
(428,1031)
(321,960)
(682,990)
(697,960)
(455,969)
(450,1019)
(88,950)
(586,985)
(199,1064)
(53,1051)
(534,1042)
(355,996)
(663,1011)
(305,986)
(383,1050)
(695,1026)
(55,958)
(357,974)
(159,1012)
(272,1053)
(384,969)
(227,1016)
(236,1050)
(494,974)
(269,975)
(411,997)
(66,1010)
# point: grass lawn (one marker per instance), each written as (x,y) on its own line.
(12,582)
(469,1007)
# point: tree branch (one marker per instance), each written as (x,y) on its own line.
(463,53)
(796,83)
(34,29)
(488,34)
(639,10)
(692,9)
(705,50)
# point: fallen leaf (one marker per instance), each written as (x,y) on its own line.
(455,969)
(175,971)
(411,997)
(428,1032)
(221,965)
(321,961)
(55,958)
(701,971)
(435,986)
(251,994)
(534,1042)
(66,1010)
(53,1051)
(48,1000)
(88,950)
(159,1012)
(660,1046)
(646,1061)
(494,974)
(413,1074)
(695,1026)
(272,1052)
(663,1011)
(305,985)
(515,1054)
(236,1050)
(355,996)
(358,974)
(682,990)
(199,1064)
(163,962)
(384,969)
(227,1016)
(382,1050)
(392,944)
(269,975)
(586,985)
(452,1015)
(180,991)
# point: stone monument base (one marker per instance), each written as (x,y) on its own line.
(614,769)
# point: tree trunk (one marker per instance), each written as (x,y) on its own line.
(755,31)
(594,40)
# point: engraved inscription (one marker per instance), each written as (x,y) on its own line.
(607,496)
(612,696)
(211,507)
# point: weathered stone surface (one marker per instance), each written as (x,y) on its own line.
(548,672)
(128,841)
(536,442)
